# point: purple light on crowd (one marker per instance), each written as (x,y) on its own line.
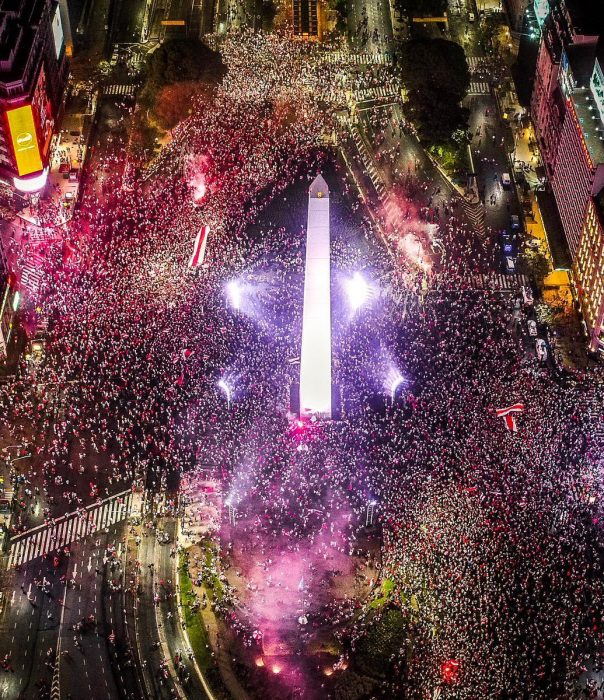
(394,380)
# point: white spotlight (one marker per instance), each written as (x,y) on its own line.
(234,294)
(357,291)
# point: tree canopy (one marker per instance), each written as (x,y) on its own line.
(435,75)
(182,60)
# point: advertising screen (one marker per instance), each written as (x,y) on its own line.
(57,32)
(24,140)
(42,111)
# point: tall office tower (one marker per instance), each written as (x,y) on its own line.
(33,75)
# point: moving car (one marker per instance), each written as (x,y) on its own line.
(532,328)
(541,350)
(471,16)
(527,296)
(515,222)
(506,181)
(509,265)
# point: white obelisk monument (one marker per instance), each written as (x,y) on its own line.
(315,359)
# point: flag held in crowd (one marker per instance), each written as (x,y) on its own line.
(199,249)
(509,415)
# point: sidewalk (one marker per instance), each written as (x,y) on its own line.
(220,647)
(69,153)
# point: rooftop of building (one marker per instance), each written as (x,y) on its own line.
(581,58)
(599,205)
(591,124)
(554,230)
(569,19)
(587,16)
(19,23)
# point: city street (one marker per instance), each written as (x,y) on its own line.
(293,420)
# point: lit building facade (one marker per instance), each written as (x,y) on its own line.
(567,107)
(306,18)
(564,24)
(33,75)
(588,270)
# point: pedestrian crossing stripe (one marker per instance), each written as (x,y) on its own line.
(70,528)
(476,62)
(479,88)
(357,59)
(374,93)
(498,281)
(122,90)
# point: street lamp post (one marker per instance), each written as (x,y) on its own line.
(370,513)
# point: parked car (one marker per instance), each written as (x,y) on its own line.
(471,17)
(541,350)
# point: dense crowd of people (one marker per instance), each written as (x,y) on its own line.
(492,540)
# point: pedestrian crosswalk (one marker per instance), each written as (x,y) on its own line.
(475,213)
(31,275)
(357,59)
(498,282)
(479,88)
(374,93)
(120,90)
(476,63)
(69,528)
(368,163)
(492,281)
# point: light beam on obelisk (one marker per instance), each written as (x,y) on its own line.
(315,360)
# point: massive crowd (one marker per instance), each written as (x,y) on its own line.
(495,537)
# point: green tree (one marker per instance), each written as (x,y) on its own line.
(178,61)
(435,75)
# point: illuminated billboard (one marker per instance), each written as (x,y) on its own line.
(24,140)
(42,111)
(57,32)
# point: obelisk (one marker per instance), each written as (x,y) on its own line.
(315,359)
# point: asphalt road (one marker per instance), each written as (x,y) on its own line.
(370,26)
(154,622)
(125,21)
(30,629)
(489,139)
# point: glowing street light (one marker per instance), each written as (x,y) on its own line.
(357,291)
(227,391)
(370,512)
(234,294)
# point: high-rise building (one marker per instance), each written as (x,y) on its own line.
(564,24)
(33,75)
(589,271)
(578,171)
(567,108)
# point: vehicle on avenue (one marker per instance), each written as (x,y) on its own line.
(527,296)
(509,265)
(541,350)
